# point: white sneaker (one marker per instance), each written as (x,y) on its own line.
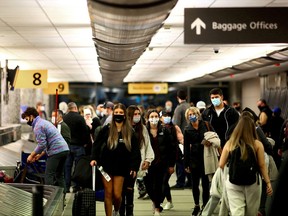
(168,206)
(156,213)
(115,213)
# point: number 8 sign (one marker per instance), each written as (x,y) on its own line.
(32,79)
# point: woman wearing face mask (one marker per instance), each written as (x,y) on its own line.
(147,156)
(116,149)
(177,139)
(164,161)
(194,156)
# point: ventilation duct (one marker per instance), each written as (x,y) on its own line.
(122,30)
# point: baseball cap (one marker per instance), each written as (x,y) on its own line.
(276,110)
(108,104)
(201,105)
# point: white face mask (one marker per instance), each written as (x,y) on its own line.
(168,108)
(154,120)
(42,108)
(98,113)
(53,119)
(136,119)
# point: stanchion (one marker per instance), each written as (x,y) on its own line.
(37,200)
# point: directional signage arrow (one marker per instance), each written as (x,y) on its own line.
(235,25)
(198,23)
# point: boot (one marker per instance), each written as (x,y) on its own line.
(129,202)
(129,210)
(122,208)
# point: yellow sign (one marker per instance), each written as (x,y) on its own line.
(63,88)
(31,79)
(147,88)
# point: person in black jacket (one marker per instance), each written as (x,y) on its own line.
(220,115)
(265,116)
(164,161)
(116,149)
(79,137)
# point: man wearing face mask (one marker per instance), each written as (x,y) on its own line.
(79,138)
(169,108)
(41,110)
(108,111)
(221,116)
(50,142)
(62,127)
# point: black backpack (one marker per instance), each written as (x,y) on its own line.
(243,172)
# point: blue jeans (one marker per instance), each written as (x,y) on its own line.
(54,173)
(180,173)
(75,153)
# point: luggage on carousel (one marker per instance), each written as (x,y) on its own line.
(31,173)
(84,203)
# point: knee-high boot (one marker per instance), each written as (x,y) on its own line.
(123,205)
(129,202)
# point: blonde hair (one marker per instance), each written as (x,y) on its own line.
(93,113)
(126,130)
(194,110)
(243,135)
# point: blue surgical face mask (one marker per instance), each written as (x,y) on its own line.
(167,119)
(216,101)
(193,118)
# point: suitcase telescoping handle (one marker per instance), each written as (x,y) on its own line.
(93,177)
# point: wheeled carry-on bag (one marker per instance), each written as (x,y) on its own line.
(84,203)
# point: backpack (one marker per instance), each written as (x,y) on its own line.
(242,172)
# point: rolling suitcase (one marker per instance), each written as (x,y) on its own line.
(84,203)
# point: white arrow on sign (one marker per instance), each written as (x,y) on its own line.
(198,23)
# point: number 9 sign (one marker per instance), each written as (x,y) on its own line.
(62,87)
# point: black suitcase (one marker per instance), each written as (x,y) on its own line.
(84,203)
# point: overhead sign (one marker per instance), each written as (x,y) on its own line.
(31,79)
(147,88)
(63,88)
(235,25)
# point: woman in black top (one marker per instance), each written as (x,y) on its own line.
(116,149)
(194,156)
(163,162)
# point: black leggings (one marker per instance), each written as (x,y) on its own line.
(154,183)
(196,175)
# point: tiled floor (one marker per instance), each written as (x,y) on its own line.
(182,200)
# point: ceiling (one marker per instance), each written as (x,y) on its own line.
(60,36)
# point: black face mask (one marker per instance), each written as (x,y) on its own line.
(119,118)
(30,122)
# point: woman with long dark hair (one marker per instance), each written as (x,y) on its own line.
(147,156)
(116,149)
